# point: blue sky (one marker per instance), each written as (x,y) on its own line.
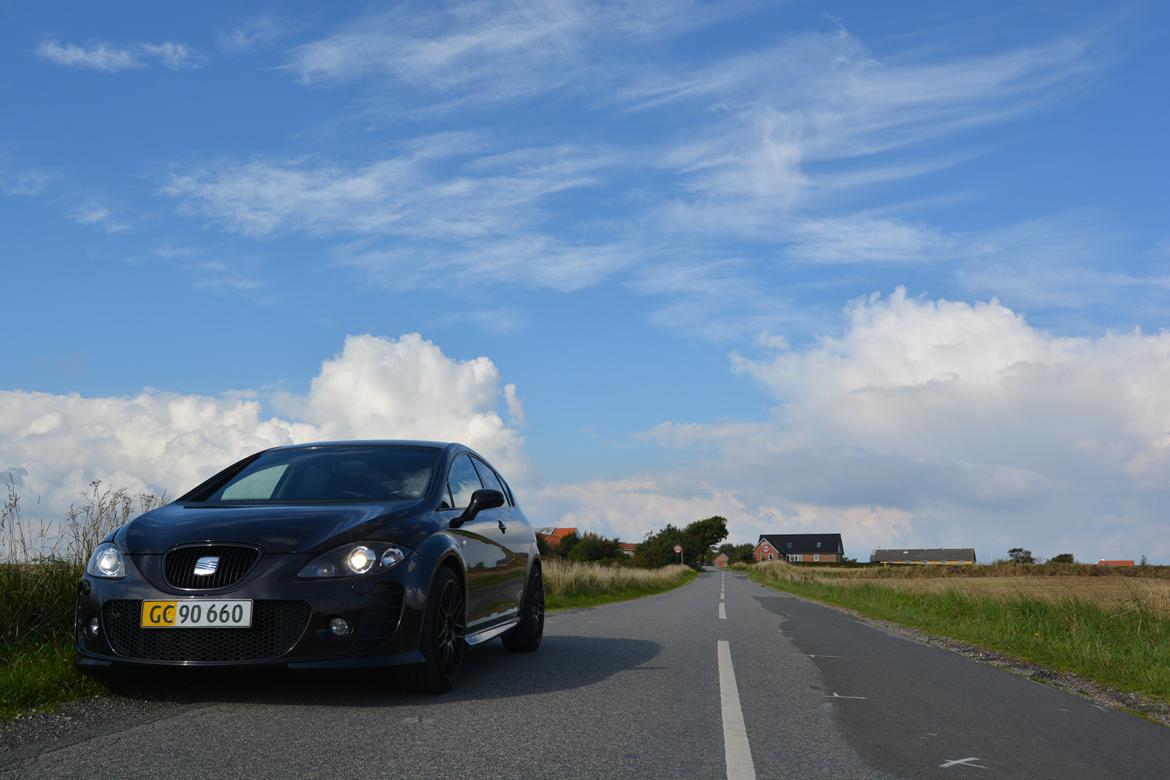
(656,220)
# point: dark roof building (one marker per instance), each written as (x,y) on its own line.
(806,543)
(936,556)
(800,548)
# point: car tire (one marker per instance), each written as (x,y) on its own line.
(526,636)
(442,640)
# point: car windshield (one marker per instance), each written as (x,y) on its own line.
(358,473)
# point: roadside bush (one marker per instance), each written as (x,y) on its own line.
(591,548)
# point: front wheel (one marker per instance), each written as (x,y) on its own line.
(441,643)
(526,636)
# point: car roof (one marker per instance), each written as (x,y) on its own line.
(369,443)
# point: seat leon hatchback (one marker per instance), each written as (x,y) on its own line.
(321,556)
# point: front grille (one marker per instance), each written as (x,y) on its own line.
(276,627)
(232,564)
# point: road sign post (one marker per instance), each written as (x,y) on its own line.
(678,549)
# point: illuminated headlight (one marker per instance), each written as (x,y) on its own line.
(106,562)
(360,559)
(355,559)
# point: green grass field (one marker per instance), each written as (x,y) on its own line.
(1124,646)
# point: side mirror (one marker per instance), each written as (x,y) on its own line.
(480,500)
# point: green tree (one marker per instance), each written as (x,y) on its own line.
(697,539)
(657,549)
(1063,558)
(592,547)
(1020,555)
(565,547)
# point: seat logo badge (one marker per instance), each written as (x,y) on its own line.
(206,565)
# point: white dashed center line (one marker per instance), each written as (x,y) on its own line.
(722,611)
(737,752)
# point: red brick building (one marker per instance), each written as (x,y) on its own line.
(800,548)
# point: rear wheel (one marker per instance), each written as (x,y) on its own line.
(442,642)
(526,636)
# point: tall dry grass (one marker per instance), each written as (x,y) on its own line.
(997,569)
(577,584)
(41,561)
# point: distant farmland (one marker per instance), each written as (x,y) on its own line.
(1109,588)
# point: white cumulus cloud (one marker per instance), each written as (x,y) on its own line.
(53,445)
(982,429)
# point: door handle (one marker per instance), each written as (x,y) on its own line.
(503,528)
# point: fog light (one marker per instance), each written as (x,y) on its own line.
(94,627)
(339,626)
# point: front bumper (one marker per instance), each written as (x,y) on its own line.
(290,622)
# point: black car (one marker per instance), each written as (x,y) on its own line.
(321,556)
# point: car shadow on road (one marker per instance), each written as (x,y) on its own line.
(489,672)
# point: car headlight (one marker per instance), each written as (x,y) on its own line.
(354,559)
(106,562)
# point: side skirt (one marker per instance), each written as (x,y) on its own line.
(480,637)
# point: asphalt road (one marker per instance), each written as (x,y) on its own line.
(720,678)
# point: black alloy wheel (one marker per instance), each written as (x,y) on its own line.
(442,640)
(451,629)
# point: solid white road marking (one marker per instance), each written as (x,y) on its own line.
(812,655)
(961,762)
(737,753)
(722,611)
(839,696)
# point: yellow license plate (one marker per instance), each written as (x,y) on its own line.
(197,613)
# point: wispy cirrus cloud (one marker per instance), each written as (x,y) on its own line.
(453,205)
(254,33)
(495,49)
(94,213)
(806,124)
(437,187)
(111,58)
(22,181)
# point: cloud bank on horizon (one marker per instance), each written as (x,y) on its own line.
(899,274)
(923,419)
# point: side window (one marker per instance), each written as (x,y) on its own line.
(490,480)
(463,481)
(257,486)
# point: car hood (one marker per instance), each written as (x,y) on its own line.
(275,528)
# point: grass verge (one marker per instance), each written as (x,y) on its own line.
(1126,647)
(570,585)
(40,677)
